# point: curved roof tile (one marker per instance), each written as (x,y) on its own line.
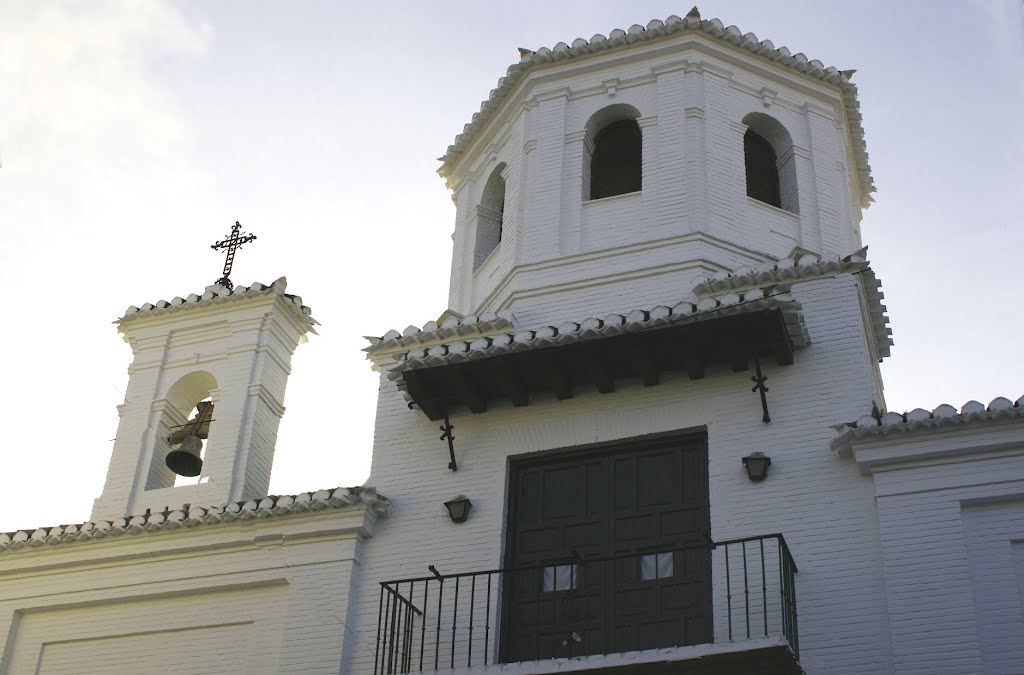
(920,420)
(804,267)
(753,300)
(217,294)
(194,516)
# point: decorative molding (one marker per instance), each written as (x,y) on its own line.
(529,146)
(802,153)
(673,67)
(810,108)
(576,136)
(259,391)
(694,113)
(553,95)
(767,96)
(644,122)
(611,86)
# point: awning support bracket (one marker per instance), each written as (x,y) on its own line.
(447,435)
(759,387)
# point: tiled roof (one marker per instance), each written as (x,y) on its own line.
(452,326)
(217,294)
(195,516)
(919,420)
(658,29)
(804,267)
(729,304)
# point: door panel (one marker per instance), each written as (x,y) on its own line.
(588,517)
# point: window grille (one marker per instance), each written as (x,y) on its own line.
(615,167)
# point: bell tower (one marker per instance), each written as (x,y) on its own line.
(205,397)
(620,170)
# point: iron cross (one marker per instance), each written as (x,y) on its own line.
(231,244)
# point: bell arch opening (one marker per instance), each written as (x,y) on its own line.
(613,162)
(184,424)
(490,216)
(769,164)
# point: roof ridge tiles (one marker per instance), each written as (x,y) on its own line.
(805,266)
(471,325)
(194,515)
(530,59)
(595,328)
(919,419)
(215,293)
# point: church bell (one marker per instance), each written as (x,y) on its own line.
(185,461)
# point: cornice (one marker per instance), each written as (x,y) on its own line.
(189,516)
(896,440)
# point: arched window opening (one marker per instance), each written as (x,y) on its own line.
(490,217)
(183,429)
(769,163)
(617,160)
(762,169)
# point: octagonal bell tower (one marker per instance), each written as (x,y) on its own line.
(206,387)
(616,171)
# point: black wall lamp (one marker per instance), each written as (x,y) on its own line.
(458,508)
(756,464)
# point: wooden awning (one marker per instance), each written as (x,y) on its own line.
(598,354)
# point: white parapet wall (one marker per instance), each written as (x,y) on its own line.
(261,587)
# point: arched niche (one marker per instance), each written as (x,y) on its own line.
(490,216)
(768,162)
(613,160)
(173,411)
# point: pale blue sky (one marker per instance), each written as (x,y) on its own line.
(132,135)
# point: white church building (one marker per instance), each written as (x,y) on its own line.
(647,436)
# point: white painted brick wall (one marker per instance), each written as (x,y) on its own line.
(955,599)
(824,507)
(260,596)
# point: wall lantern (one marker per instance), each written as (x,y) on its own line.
(756,464)
(458,508)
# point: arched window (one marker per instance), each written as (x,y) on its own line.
(615,164)
(768,158)
(490,217)
(762,169)
(187,411)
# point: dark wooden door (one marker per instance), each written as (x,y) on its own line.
(596,538)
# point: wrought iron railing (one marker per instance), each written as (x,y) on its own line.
(580,607)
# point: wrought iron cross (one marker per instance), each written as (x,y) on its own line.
(231,244)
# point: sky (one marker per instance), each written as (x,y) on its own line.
(134,134)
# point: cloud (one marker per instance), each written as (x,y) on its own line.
(76,86)
(84,123)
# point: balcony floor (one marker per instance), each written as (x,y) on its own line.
(767,656)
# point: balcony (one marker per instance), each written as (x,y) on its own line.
(641,612)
